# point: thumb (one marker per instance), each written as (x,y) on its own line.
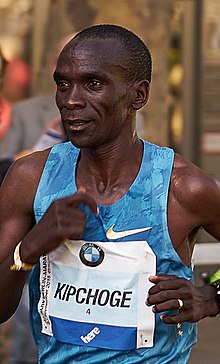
(81,189)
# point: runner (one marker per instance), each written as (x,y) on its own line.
(106,223)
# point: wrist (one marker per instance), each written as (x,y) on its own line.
(28,254)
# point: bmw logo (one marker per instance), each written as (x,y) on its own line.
(91,255)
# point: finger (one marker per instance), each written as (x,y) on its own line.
(182,316)
(71,217)
(77,232)
(81,189)
(159,278)
(162,296)
(168,305)
(82,198)
(170,284)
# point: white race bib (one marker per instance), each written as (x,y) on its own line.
(93,293)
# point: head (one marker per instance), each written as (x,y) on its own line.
(139,62)
(103,76)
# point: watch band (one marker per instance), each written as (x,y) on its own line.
(18,264)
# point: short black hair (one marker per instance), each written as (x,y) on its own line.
(137,54)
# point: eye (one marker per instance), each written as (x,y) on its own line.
(95,84)
(62,85)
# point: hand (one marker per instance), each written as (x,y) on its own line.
(63,220)
(197,302)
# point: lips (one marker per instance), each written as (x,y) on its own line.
(77,124)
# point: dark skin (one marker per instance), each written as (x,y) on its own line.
(98,108)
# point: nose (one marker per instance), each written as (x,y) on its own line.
(75,98)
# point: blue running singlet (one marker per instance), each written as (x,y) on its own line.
(87,297)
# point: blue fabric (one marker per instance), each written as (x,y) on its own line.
(118,334)
(144,204)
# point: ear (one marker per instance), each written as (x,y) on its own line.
(141,94)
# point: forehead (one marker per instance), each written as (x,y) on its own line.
(100,54)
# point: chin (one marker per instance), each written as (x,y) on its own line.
(79,143)
(89,140)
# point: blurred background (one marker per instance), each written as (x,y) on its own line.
(183,111)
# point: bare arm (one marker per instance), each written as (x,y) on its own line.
(16,219)
(62,220)
(194,202)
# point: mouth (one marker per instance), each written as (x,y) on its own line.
(77,124)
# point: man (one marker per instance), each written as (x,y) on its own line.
(112,220)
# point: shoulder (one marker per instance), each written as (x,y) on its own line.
(24,175)
(191,176)
(31,165)
(192,187)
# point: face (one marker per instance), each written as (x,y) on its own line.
(92,94)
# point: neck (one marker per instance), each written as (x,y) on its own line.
(109,171)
